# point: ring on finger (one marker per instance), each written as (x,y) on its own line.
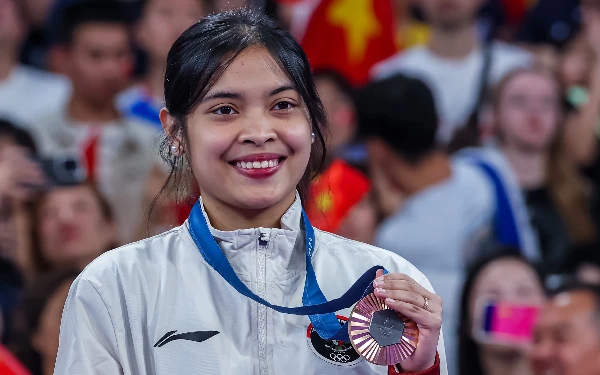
(426,304)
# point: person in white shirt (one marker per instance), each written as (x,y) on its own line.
(452,63)
(240,109)
(449,206)
(119,153)
(25,93)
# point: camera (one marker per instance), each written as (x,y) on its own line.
(63,170)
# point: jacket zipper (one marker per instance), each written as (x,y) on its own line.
(263,244)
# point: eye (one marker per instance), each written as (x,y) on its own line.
(283,106)
(224,111)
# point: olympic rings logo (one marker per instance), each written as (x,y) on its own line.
(339,357)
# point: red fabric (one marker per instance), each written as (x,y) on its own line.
(90,154)
(350,36)
(9,364)
(334,193)
(515,10)
(433,370)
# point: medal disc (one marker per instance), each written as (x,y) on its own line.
(380,335)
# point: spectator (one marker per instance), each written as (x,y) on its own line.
(567,337)
(37,328)
(20,179)
(119,152)
(452,64)
(527,109)
(502,278)
(338,99)
(449,204)
(25,93)
(72,226)
(161,23)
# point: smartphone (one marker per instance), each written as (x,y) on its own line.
(506,323)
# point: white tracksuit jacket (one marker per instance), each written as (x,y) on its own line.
(156,307)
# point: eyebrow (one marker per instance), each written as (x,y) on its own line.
(238,96)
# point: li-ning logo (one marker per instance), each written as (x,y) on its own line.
(197,336)
(386,327)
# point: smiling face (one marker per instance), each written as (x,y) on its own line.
(249,138)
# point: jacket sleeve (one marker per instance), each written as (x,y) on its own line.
(87,343)
(433,370)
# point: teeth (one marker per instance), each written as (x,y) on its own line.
(257,164)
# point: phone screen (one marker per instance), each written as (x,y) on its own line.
(505,322)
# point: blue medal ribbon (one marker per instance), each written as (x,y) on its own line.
(320,311)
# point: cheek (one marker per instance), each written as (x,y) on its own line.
(48,230)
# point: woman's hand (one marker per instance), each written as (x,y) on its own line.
(404,295)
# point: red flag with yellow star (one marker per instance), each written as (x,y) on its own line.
(334,193)
(350,36)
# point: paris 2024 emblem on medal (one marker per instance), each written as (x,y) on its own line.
(380,335)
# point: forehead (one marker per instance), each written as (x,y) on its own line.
(531,81)
(573,308)
(504,271)
(101,34)
(253,69)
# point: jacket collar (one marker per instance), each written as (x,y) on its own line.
(290,223)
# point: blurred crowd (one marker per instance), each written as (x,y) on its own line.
(471,148)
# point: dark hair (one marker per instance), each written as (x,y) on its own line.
(20,136)
(40,263)
(27,320)
(469,361)
(90,11)
(200,56)
(338,80)
(400,111)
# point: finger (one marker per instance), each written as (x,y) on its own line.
(379,273)
(401,281)
(408,297)
(418,315)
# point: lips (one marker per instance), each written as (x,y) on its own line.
(258,165)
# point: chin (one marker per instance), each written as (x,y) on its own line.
(259,201)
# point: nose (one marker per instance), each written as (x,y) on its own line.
(257,130)
(65,215)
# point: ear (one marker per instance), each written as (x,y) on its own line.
(58,59)
(168,123)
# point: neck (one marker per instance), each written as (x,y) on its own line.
(8,60)
(413,178)
(501,364)
(530,167)
(81,110)
(457,43)
(154,80)
(229,218)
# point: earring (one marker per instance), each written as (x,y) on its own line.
(312,137)
(175,150)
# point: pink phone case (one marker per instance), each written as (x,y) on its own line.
(506,322)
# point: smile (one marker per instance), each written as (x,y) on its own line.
(258,166)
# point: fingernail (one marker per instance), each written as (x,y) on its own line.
(389,300)
(380,290)
(377,282)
